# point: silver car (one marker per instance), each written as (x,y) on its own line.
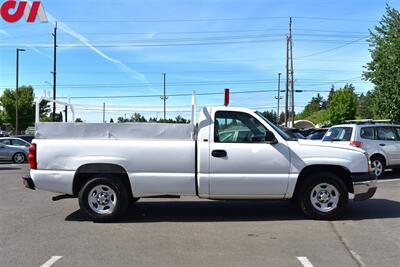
(14,149)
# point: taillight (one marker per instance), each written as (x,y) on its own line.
(32,157)
(356,143)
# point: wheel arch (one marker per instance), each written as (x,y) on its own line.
(380,155)
(342,172)
(87,171)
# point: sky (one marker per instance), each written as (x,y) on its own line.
(115,52)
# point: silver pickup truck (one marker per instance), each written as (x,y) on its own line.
(232,153)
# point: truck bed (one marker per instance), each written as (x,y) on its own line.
(99,131)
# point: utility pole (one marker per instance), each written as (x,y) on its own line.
(104,112)
(291,68)
(54,71)
(16,90)
(164,97)
(279,93)
(287,82)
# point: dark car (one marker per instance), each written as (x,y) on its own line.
(317,134)
(28,138)
(294,133)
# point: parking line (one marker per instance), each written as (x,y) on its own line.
(305,261)
(51,261)
(388,180)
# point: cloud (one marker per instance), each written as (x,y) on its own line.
(5,33)
(135,74)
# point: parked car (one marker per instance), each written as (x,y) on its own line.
(109,165)
(14,149)
(317,134)
(27,137)
(380,141)
(294,133)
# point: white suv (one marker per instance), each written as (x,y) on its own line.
(380,140)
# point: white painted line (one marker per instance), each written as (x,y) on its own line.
(305,261)
(388,180)
(51,261)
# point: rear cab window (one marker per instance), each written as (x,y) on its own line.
(338,134)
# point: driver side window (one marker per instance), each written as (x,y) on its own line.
(237,127)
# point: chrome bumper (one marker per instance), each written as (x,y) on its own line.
(364,186)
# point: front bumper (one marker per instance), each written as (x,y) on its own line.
(28,182)
(364,185)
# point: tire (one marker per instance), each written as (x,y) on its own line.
(378,165)
(323,196)
(104,199)
(19,158)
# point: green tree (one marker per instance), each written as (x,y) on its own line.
(320,117)
(364,106)
(271,116)
(180,119)
(383,70)
(343,105)
(26,107)
(137,117)
(312,107)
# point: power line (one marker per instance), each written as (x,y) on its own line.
(211,82)
(331,49)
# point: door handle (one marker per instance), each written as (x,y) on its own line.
(219,153)
(382,144)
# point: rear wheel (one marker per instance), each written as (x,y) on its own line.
(323,196)
(19,158)
(104,199)
(378,165)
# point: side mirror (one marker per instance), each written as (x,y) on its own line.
(270,138)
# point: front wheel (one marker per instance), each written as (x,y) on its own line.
(323,196)
(103,199)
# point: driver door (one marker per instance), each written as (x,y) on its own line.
(242,164)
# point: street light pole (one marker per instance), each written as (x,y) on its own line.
(165,97)
(16,90)
(279,93)
(54,71)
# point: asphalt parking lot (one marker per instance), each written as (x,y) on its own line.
(34,231)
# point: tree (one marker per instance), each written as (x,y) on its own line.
(315,105)
(281,118)
(137,117)
(364,106)
(180,119)
(383,70)
(271,116)
(343,105)
(111,120)
(78,120)
(321,117)
(26,107)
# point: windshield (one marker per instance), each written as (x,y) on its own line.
(277,128)
(338,134)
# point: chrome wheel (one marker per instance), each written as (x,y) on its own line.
(19,158)
(102,199)
(377,167)
(324,197)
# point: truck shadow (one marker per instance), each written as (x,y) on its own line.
(221,211)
